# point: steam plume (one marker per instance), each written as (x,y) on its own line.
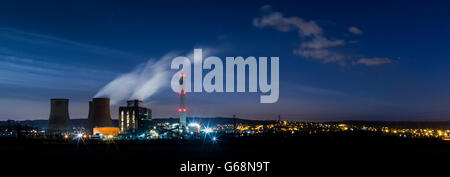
(144,80)
(141,83)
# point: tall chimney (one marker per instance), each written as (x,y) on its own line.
(59,121)
(99,114)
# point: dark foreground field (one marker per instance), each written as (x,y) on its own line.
(321,154)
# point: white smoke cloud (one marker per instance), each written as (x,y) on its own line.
(144,80)
(141,83)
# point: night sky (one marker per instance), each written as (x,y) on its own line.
(366,60)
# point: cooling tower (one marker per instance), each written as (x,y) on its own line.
(59,121)
(90,123)
(99,114)
(91,111)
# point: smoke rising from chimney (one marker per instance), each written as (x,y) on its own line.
(144,80)
(141,83)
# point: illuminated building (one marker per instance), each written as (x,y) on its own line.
(107,131)
(182,109)
(134,118)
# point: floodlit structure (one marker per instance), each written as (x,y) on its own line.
(99,114)
(182,109)
(59,121)
(106,131)
(134,118)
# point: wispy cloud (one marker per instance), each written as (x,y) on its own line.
(355,30)
(34,60)
(314,43)
(38,74)
(27,64)
(372,61)
(48,41)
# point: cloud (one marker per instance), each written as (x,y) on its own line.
(321,42)
(28,60)
(52,42)
(285,24)
(355,30)
(33,73)
(35,60)
(325,55)
(314,44)
(372,61)
(266,8)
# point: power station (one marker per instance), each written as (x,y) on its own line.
(134,118)
(99,114)
(59,121)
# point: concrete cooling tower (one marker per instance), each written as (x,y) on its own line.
(59,121)
(90,123)
(99,114)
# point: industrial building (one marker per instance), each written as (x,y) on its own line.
(106,131)
(59,121)
(182,109)
(99,114)
(134,118)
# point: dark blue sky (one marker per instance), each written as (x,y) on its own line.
(370,60)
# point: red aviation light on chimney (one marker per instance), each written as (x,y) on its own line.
(184,110)
(179,110)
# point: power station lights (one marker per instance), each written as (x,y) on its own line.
(194,125)
(208,130)
(175,125)
(154,134)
